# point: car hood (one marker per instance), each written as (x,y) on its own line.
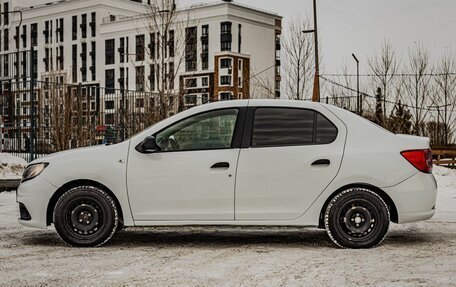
(72,153)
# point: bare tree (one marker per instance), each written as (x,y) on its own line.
(418,86)
(66,120)
(384,66)
(445,97)
(173,47)
(298,58)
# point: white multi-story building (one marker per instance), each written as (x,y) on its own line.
(217,51)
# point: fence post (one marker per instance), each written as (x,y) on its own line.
(2,127)
(32,109)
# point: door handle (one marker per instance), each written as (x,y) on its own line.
(321,162)
(221,165)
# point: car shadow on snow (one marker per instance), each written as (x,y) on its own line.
(232,237)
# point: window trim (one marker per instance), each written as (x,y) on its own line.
(237,133)
(250,117)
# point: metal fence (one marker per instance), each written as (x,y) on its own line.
(45,117)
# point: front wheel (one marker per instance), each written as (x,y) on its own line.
(357,218)
(86,216)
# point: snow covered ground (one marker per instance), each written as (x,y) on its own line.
(418,254)
(11,167)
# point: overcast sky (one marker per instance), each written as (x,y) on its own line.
(359,26)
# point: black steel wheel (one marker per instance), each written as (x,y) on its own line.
(86,216)
(357,218)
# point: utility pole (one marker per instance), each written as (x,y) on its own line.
(316,90)
(358,99)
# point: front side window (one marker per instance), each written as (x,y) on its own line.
(212,130)
(274,127)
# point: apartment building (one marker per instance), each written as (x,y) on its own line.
(217,51)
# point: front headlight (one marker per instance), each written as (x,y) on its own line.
(33,171)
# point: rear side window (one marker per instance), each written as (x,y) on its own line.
(274,127)
(326,130)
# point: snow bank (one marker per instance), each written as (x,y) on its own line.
(11,167)
(446,199)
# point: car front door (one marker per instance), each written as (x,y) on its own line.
(289,156)
(192,175)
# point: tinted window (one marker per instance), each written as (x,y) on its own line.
(213,130)
(326,131)
(282,127)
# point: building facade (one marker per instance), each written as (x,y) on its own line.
(102,49)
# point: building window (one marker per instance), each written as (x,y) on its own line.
(190,100)
(34,35)
(205,47)
(205,99)
(84,61)
(225,36)
(6,14)
(240,38)
(109,81)
(140,48)
(171,76)
(152,77)
(226,97)
(152,45)
(226,63)
(6,39)
(24,36)
(93,56)
(205,82)
(140,79)
(60,29)
(139,103)
(122,50)
(84,26)
(46,32)
(171,43)
(60,57)
(109,119)
(75,28)
(74,63)
(93,24)
(191,83)
(109,105)
(46,60)
(109,51)
(122,79)
(225,80)
(191,49)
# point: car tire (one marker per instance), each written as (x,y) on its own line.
(357,218)
(86,216)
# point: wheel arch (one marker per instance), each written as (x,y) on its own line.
(75,183)
(386,198)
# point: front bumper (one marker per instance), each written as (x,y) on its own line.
(35,195)
(415,198)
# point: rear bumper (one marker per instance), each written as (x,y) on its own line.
(34,196)
(414,198)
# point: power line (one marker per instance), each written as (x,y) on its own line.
(391,75)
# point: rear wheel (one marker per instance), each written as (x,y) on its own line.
(86,216)
(357,218)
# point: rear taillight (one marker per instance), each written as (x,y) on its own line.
(421,159)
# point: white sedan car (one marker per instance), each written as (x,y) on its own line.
(243,163)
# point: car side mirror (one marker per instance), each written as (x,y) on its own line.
(148,145)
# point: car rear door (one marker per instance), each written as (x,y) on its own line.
(289,156)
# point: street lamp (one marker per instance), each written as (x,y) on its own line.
(316,91)
(359,108)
